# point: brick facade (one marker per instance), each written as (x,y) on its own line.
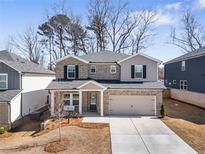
(102,70)
(83,68)
(106,94)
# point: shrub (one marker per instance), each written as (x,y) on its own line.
(162,111)
(2,130)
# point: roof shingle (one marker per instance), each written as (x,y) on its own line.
(22,65)
(8,95)
(104,56)
(198,53)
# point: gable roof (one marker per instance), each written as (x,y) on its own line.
(69,56)
(141,54)
(104,57)
(194,54)
(22,65)
(91,82)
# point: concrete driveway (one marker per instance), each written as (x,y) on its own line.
(143,135)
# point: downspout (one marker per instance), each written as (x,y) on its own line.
(9,114)
(20,80)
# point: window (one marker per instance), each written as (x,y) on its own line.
(3,81)
(66,98)
(138,71)
(174,81)
(76,99)
(92,68)
(71,71)
(113,69)
(183,84)
(183,67)
(71,100)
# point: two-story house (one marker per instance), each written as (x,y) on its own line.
(22,87)
(107,83)
(185,76)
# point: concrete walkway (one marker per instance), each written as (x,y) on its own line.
(143,135)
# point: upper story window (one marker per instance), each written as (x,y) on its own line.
(139,71)
(183,84)
(183,66)
(113,69)
(71,73)
(3,81)
(92,68)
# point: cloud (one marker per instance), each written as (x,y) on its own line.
(164,18)
(175,6)
(199,4)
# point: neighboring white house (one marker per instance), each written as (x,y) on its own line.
(22,87)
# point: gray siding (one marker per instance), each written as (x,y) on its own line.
(13,76)
(194,74)
(152,69)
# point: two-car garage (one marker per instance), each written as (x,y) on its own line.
(132,105)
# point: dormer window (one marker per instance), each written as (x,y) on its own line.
(71,71)
(92,69)
(183,66)
(3,81)
(113,69)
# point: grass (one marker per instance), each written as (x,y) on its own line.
(187,121)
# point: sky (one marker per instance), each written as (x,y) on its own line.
(17,15)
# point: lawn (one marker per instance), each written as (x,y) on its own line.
(79,138)
(188,122)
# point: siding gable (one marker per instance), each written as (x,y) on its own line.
(13,76)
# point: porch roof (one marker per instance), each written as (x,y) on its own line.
(75,84)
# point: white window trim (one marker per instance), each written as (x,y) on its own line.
(72,72)
(70,98)
(140,72)
(5,74)
(91,68)
(115,68)
(183,85)
(174,81)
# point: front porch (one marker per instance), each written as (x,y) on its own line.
(88,98)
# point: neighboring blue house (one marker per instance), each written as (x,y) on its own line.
(185,76)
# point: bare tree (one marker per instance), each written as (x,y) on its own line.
(143,31)
(98,15)
(10,45)
(120,26)
(192,36)
(30,46)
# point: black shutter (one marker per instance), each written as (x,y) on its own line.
(76,71)
(144,71)
(65,72)
(133,71)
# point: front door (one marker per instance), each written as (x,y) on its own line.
(93,102)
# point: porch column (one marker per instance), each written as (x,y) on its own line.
(101,103)
(52,105)
(80,101)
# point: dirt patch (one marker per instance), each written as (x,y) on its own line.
(81,137)
(52,124)
(57,146)
(187,121)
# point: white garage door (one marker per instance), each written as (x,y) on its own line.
(132,105)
